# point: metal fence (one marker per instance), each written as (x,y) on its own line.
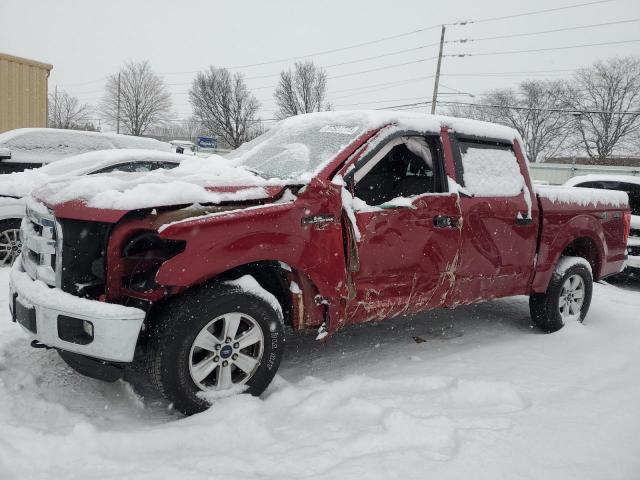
(557,174)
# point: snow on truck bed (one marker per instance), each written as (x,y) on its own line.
(586,197)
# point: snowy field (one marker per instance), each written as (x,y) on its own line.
(484,396)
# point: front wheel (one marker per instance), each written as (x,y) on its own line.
(567,298)
(214,338)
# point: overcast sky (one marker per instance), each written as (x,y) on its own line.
(87,40)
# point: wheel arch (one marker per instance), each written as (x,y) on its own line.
(583,237)
(302,304)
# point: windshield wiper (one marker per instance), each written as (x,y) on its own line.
(255,172)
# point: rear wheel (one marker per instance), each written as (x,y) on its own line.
(567,299)
(10,242)
(212,339)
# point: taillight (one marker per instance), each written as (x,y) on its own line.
(627,225)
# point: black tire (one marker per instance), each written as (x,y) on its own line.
(545,307)
(178,323)
(9,226)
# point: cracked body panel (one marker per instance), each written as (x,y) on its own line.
(433,248)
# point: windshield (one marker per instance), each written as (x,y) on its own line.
(298,147)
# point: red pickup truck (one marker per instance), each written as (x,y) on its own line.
(327,219)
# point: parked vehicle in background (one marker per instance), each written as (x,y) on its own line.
(327,219)
(183,146)
(623,183)
(26,148)
(15,186)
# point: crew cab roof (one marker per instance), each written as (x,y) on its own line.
(420,122)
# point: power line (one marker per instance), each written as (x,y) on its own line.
(384,86)
(392,83)
(316,54)
(376,101)
(509,107)
(349,62)
(371,42)
(522,72)
(381,68)
(351,74)
(509,52)
(541,32)
(395,100)
(535,12)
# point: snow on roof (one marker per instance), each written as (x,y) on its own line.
(327,132)
(594,177)
(44,145)
(20,184)
(374,119)
(583,196)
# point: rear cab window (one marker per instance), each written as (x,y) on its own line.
(489,169)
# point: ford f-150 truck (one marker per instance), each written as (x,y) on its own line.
(327,219)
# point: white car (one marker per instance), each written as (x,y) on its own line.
(25,148)
(14,187)
(625,183)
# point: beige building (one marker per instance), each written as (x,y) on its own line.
(23,92)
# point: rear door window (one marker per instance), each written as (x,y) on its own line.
(490,169)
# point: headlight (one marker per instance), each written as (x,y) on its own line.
(144,253)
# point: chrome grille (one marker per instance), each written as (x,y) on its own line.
(41,240)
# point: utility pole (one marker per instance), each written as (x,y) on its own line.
(118,119)
(435,86)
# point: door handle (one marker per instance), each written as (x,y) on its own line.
(445,221)
(523,220)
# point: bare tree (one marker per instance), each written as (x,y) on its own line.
(599,94)
(530,111)
(66,111)
(301,90)
(223,105)
(144,99)
(189,128)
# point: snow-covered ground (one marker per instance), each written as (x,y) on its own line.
(482,396)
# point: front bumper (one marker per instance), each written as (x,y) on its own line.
(47,314)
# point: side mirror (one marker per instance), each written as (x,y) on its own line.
(5,154)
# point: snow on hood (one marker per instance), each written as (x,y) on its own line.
(20,184)
(195,180)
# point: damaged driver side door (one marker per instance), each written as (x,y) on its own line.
(407,223)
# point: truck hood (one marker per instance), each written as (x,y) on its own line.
(228,197)
(108,197)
